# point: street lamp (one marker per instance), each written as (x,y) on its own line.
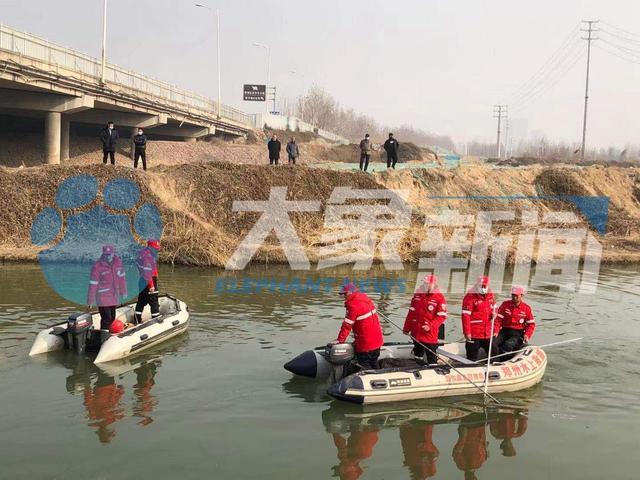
(268,49)
(217,13)
(294,72)
(104,42)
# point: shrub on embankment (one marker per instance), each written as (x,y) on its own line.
(195,201)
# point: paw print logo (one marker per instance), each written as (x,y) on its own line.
(82,222)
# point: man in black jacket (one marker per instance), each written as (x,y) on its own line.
(140,143)
(391,146)
(274,150)
(109,138)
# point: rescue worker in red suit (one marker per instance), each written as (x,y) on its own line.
(351,452)
(362,318)
(148,283)
(507,426)
(470,451)
(427,312)
(103,405)
(420,453)
(516,323)
(107,285)
(145,401)
(478,309)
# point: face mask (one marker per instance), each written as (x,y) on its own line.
(110,127)
(483,290)
(108,258)
(140,132)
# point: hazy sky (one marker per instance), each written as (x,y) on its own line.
(439,65)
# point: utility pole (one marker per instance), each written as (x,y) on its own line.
(507,140)
(499,112)
(104,43)
(590,30)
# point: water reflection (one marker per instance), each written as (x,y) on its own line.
(103,390)
(355,432)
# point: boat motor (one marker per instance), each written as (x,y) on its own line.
(78,326)
(339,355)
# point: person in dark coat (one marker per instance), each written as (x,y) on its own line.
(293,151)
(109,138)
(140,143)
(274,147)
(391,146)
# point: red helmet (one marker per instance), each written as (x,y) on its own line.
(116,326)
(348,288)
(483,281)
(154,244)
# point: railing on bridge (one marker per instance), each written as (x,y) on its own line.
(31,46)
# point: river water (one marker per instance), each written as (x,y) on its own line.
(216,403)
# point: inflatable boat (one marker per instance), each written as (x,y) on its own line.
(81,332)
(402,378)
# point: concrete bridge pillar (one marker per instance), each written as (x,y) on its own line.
(64,138)
(52,136)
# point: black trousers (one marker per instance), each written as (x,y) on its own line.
(292,159)
(274,160)
(369,360)
(364,160)
(109,154)
(392,159)
(441,332)
(107,316)
(430,351)
(145,298)
(474,346)
(142,154)
(510,340)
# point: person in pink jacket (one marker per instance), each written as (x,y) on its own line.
(107,285)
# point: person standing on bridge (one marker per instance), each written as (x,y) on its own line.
(140,143)
(274,148)
(109,138)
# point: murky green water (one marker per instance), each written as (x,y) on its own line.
(216,402)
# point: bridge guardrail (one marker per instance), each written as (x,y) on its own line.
(28,45)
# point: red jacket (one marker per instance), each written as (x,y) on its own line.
(352,452)
(420,453)
(470,451)
(147,266)
(477,311)
(426,309)
(362,317)
(509,426)
(107,283)
(517,318)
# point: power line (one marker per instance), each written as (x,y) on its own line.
(620,37)
(611,52)
(572,36)
(550,81)
(627,32)
(629,51)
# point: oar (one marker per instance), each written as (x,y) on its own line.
(529,346)
(486,378)
(443,360)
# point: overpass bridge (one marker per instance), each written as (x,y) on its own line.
(43,80)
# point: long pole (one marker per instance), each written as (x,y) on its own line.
(218,61)
(486,377)
(104,43)
(443,360)
(589,39)
(533,346)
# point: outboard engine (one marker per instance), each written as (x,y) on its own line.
(78,326)
(339,355)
